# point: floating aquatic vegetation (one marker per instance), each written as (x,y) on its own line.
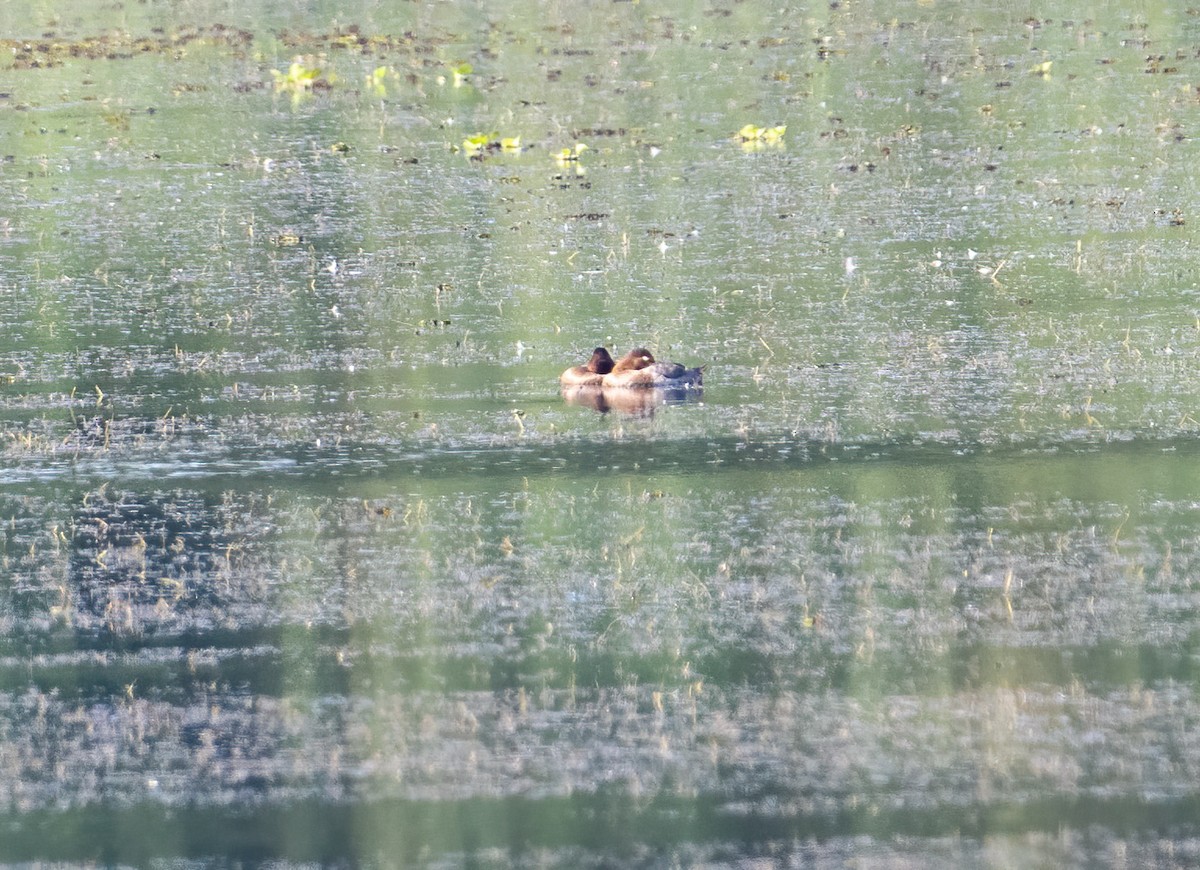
(377,80)
(52,50)
(298,78)
(752,137)
(479,144)
(572,154)
(458,74)
(570,157)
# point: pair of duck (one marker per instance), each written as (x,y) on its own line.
(637,369)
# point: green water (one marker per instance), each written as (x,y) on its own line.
(304,558)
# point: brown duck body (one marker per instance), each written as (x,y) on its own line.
(639,369)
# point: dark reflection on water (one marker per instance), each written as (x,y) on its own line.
(627,649)
(509,456)
(699,646)
(261,661)
(590,829)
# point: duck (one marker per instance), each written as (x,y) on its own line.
(591,373)
(639,369)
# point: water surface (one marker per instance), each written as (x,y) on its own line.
(303,558)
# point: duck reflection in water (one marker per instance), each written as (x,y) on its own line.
(634,385)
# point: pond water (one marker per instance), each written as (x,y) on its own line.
(305,559)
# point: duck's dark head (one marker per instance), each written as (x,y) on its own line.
(601,362)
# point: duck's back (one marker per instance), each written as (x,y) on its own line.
(657,374)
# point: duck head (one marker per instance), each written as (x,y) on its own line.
(601,362)
(636,359)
